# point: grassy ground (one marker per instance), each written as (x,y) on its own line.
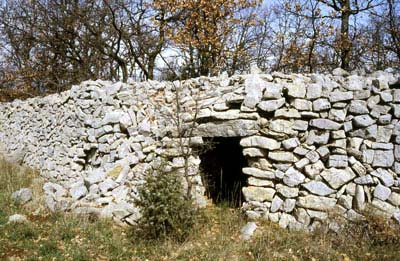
(215,237)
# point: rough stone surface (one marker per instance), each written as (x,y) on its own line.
(338,177)
(22,196)
(313,142)
(17,218)
(316,202)
(318,188)
(258,194)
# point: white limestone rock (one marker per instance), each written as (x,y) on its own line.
(259,194)
(282,156)
(316,202)
(318,188)
(258,173)
(22,196)
(381,192)
(276,204)
(248,230)
(293,177)
(260,142)
(338,177)
(271,105)
(17,219)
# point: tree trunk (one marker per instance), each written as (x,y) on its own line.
(345,45)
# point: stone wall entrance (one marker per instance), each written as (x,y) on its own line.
(221,166)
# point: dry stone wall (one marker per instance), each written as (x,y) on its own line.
(315,143)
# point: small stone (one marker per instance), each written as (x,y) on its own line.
(364,180)
(287,114)
(267,174)
(260,142)
(248,230)
(54,190)
(313,170)
(302,105)
(259,182)
(394,199)
(271,105)
(300,125)
(276,204)
(78,191)
(302,216)
(338,96)
(302,163)
(337,115)
(289,205)
(381,192)
(358,107)
(282,126)
(323,152)
(338,161)
(293,177)
(252,193)
(346,201)
(254,152)
(313,156)
(316,202)
(363,120)
(383,158)
(95,176)
(17,218)
(358,168)
(291,143)
(318,138)
(22,196)
(319,188)
(384,176)
(359,198)
(321,105)
(314,91)
(338,177)
(287,192)
(282,156)
(296,90)
(383,206)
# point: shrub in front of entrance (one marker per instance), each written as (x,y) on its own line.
(166,213)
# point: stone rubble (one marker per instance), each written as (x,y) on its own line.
(314,142)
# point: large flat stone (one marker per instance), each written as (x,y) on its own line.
(383,158)
(231,128)
(258,173)
(259,194)
(325,124)
(338,177)
(316,202)
(318,188)
(260,142)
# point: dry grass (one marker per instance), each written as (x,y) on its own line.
(215,237)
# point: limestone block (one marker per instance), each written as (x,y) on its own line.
(338,177)
(259,194)
(318,188)
(293,177)
(260,142)
(271,105)
(316,202)
(381,192)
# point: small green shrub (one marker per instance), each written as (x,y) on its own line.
(166,213)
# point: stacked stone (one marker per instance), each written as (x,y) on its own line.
(96,142)
(315,143)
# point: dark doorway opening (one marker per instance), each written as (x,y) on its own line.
(221,164)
